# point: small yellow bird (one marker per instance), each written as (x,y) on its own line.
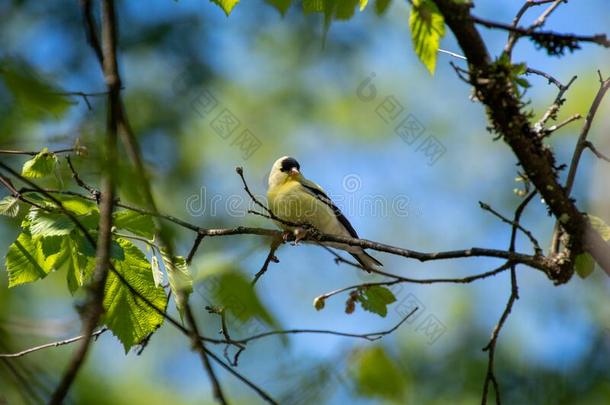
(293,198)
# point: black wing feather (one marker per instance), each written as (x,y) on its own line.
(321,195)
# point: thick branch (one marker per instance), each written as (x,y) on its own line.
(494,89)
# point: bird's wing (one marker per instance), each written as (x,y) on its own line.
(315,190)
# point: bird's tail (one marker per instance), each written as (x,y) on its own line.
(366,260)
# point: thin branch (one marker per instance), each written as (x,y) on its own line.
(580,146)
(582,138)
(199,346)
(275,244)
(198,239)
(94,335)
(371,336)
(95,193)
(599,39)
(401,279)
(596,152)
(540,263)
(527,233)
(548,131)
(34,153)
(551,112)
(243,379)
(514,295)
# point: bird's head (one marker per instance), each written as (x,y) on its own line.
(284,169)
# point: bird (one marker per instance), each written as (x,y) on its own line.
(295,200)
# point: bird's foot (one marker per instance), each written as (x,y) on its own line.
(286,235)
(299,235)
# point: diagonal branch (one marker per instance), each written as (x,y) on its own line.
(492,85)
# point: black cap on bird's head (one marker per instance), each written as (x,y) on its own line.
(284,169)
(290,165)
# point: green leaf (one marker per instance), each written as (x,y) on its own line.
(600,226)
(40,165)
(281,5)
(226,5)
(235,294)
(381,6)
(134,222)
(129,317)
(180,280)
(26,261)
(43,223)
(377,375)
(376,299)
(427,28)
(78,258)
(363,4)
(9,206)
(584,265)
(313,6)
(35,95)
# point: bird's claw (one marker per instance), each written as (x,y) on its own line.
(299,235)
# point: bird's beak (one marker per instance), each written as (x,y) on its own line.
(294,171)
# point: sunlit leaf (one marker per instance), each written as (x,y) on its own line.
(129,317)
(9,206)
(41,165)
(77,258)
(584,265)
(226,5)
(134,222)
(363,4)
(26,261)
(427,28)
(43,223)
(376,375)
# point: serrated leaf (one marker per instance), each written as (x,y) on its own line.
(226,5)
(584,265)
(427,27)
(281,5)
(44,223)
(9,206)
(35,96)
(376,299)
(377,375)
(41,165)
(129,317)
(77,258)
(134,222)
(180,280)
(26,261)
(600,226)
(381,6)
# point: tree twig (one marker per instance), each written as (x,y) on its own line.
(94,335)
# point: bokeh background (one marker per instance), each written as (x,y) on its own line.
(300,94)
